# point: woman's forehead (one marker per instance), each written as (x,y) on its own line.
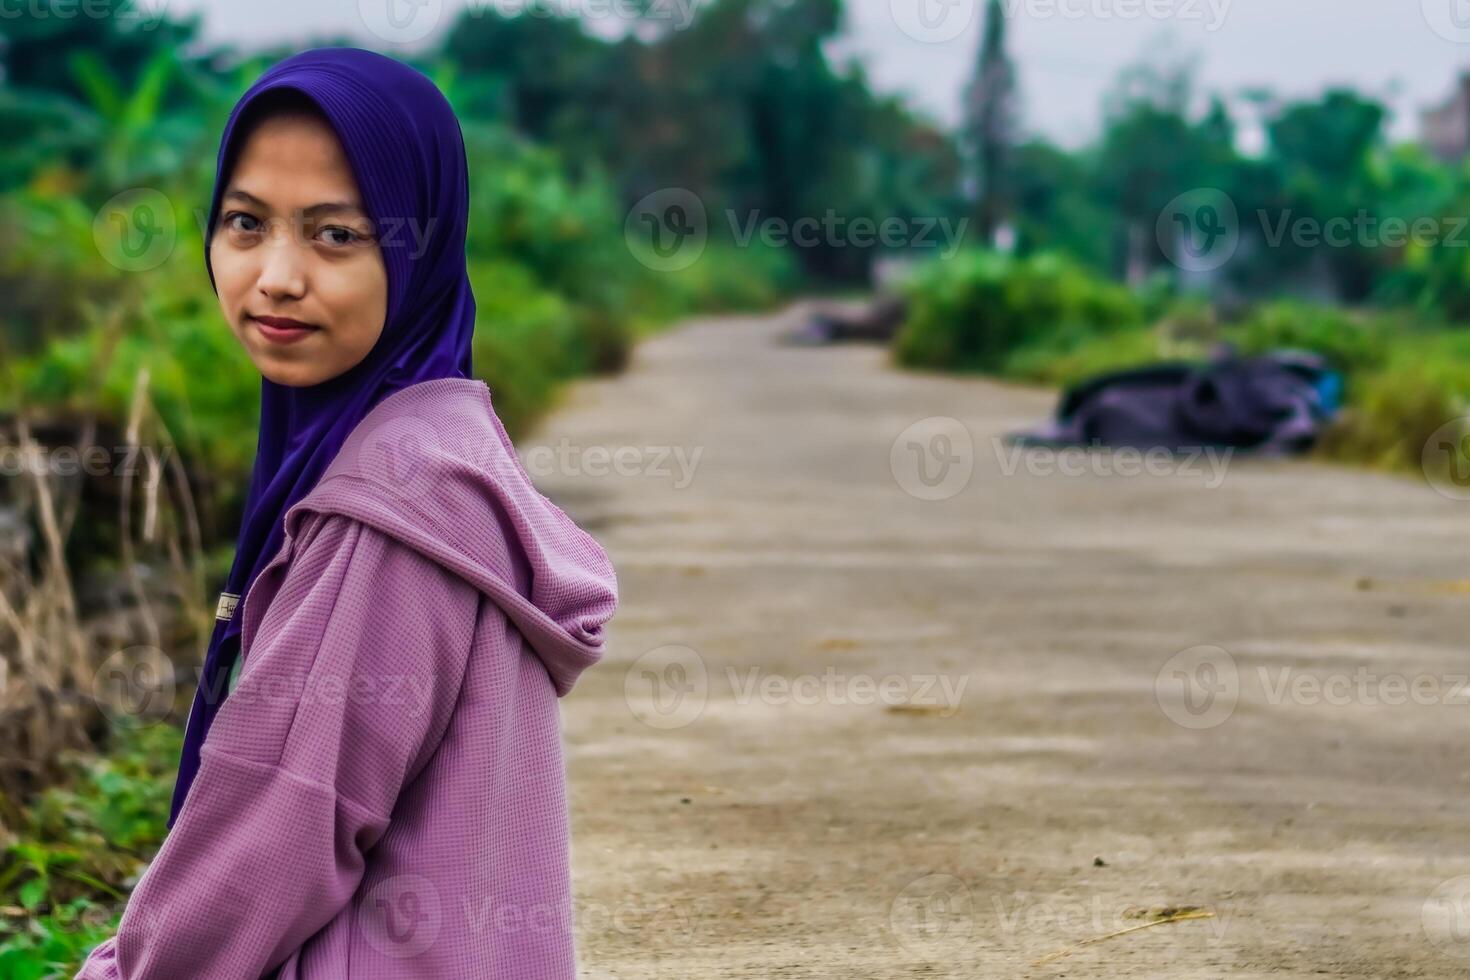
(296,162)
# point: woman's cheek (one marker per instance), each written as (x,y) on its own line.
(356,293)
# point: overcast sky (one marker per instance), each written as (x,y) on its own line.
(1404,52)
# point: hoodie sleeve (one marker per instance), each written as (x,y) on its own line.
(346,691)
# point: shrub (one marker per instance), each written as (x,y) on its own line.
(970,313)
(1351,341)
(1392,411)
(526,341)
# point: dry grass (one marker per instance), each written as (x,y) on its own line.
(68,673)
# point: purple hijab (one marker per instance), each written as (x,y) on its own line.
(406,149)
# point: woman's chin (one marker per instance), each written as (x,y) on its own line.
(295,365)
(291,373)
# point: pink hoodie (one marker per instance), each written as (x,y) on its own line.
(384,793)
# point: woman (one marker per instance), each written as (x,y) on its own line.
(381,791)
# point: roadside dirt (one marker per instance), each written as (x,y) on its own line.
(847,732)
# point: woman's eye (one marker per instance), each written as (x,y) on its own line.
(338,235)
(234,218)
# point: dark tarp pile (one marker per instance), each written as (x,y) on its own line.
(1274,404)
(876,321)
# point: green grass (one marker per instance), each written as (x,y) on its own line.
(66,872)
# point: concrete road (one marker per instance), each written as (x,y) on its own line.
(885,699)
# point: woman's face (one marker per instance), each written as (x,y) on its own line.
(300,275)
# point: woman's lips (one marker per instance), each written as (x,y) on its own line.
(282,330)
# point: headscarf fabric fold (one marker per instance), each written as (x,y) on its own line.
(406,150)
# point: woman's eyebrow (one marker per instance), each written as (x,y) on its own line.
(316,210)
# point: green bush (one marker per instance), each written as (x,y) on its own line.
(1065,360)
(972,312)
(1351,341)
(1392,410)
(526,341)
(735,277)
(1403,379)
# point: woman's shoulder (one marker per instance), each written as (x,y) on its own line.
(370,563)
(340,572)
(432,468)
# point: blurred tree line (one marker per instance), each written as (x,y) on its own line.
(1327,209)
(745,108)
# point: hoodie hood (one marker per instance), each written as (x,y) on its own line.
(432,466)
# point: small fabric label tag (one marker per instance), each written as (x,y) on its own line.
(226,607)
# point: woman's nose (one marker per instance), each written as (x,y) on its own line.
(283,263)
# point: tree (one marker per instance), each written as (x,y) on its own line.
(990,123)
(1153,150)
(1325,152)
